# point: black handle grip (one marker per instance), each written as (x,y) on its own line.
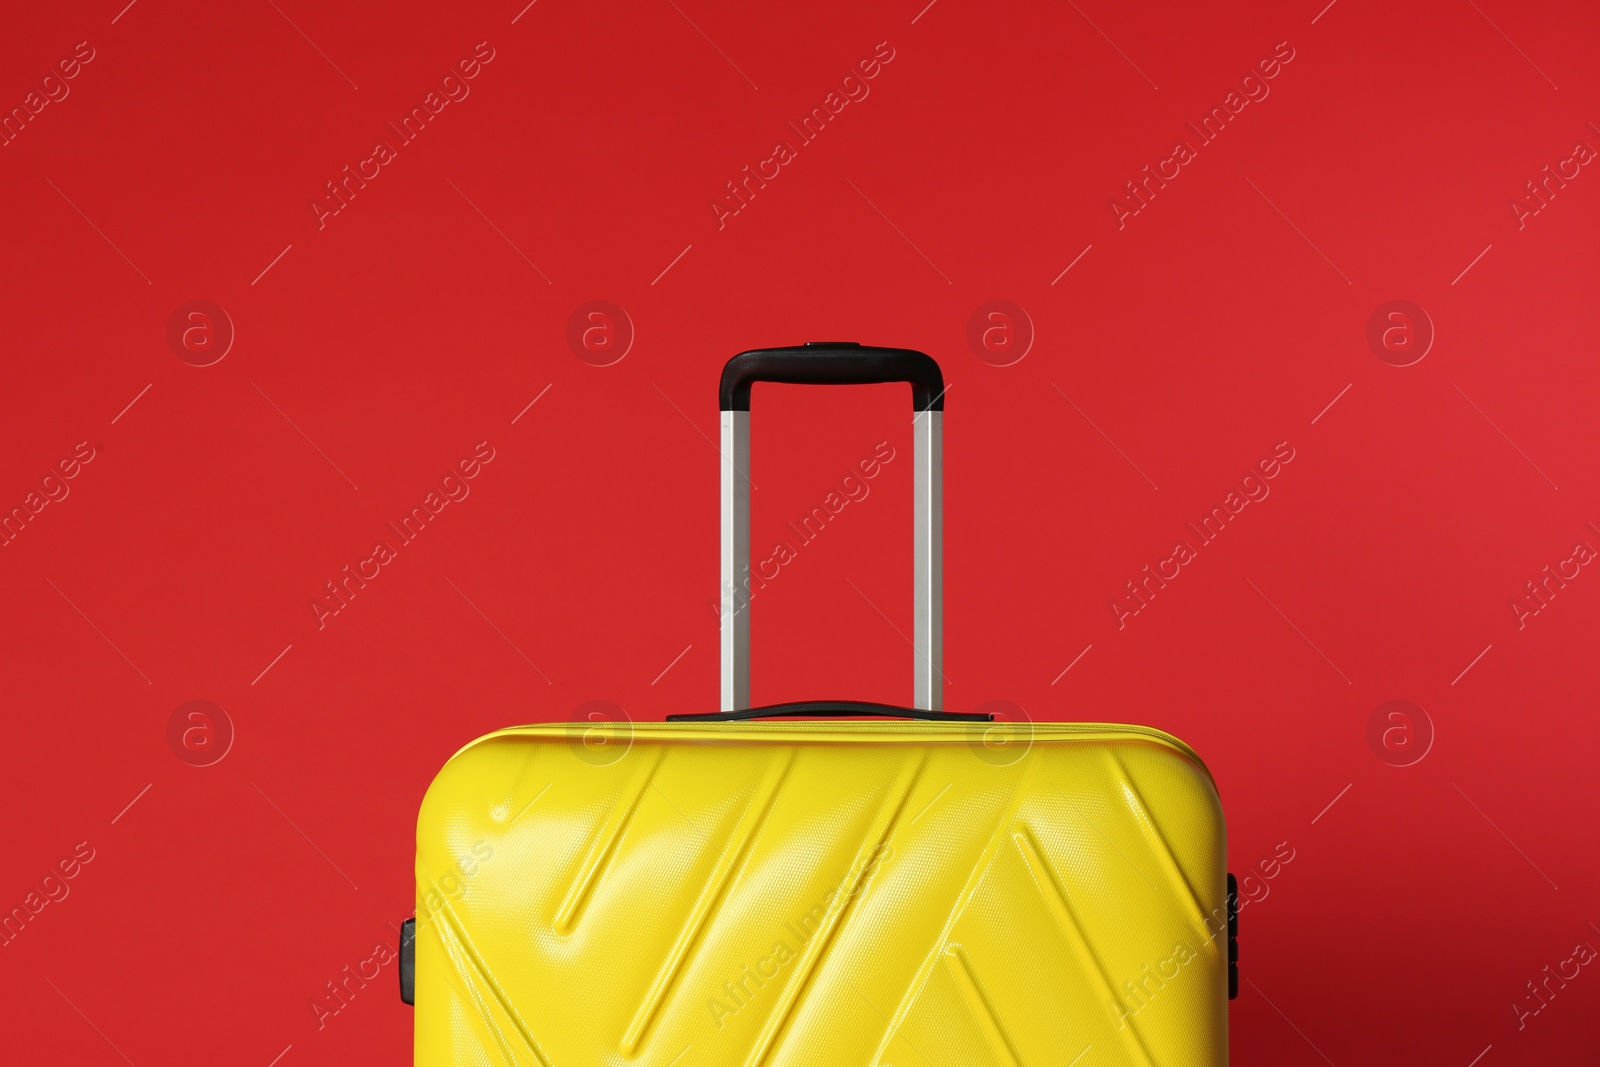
(833,363)
(833,709)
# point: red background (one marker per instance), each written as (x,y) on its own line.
(1220,321)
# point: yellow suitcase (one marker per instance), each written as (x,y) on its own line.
(819,885)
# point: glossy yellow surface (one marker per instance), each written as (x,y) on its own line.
(898,894)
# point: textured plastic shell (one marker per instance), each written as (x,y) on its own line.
(822,895)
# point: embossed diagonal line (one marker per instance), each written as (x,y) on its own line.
(605,843)
(470,993)
(469,964)
(729,863)
(992,845)
(981,1006)
(1166,861)
(811,959)
(1059,904)
(1108,840)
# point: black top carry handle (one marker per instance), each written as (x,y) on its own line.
(833,363)
(833,709)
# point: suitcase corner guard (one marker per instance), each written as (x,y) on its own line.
(408,961)
(1233,938)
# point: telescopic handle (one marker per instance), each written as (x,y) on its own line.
(835,363)
(834,709)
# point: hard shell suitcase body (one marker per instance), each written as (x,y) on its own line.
(809,892)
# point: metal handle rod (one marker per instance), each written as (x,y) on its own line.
(928,559)
(735,560)
(927,551)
